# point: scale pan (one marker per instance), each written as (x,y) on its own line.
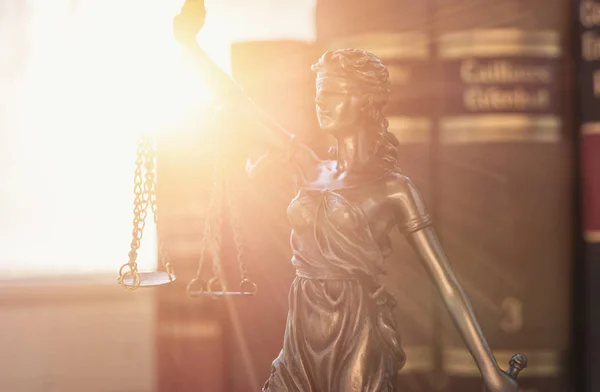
(149,279)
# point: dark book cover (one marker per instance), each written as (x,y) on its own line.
(588,83)
(190,332)
(504,170)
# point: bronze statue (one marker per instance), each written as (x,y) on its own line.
(340,333)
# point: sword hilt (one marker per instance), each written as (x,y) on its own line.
(517,363)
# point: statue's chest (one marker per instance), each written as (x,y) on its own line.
(346,209)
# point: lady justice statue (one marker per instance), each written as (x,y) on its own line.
(340,333)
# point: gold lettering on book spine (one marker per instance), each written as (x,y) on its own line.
(590,46)
(501,88)
(589,14)
(592,236)
(589,17)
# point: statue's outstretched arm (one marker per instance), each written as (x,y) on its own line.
(414,222)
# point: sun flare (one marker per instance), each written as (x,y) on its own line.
(95,80)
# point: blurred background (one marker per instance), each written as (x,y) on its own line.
(495,104)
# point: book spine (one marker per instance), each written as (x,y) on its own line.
(591,232)
(504,182)
(190,333)
(277,76)
(190,345)
(398,34)
(588,64)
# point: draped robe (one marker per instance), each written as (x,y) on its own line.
(341,334)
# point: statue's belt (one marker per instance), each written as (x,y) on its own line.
(376,290)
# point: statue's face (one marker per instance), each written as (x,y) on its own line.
(338,110)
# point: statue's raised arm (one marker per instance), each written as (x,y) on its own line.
(279,141)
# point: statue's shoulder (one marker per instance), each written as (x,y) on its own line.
(406,199)
(398,183)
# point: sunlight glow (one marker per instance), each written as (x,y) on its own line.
(79,81)
(95,80)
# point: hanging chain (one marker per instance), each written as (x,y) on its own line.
(212,239)
(234,219)
(215,245)
(210,227)
(150,188)
(144,190)
(140,211)
(247,286)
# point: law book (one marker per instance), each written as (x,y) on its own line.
(399,34)
(190,332)
(277,76)
(505,172)
(587,54)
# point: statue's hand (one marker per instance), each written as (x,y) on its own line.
(188,22)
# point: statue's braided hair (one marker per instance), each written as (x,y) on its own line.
(370,77)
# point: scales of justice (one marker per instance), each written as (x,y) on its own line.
(343,210)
